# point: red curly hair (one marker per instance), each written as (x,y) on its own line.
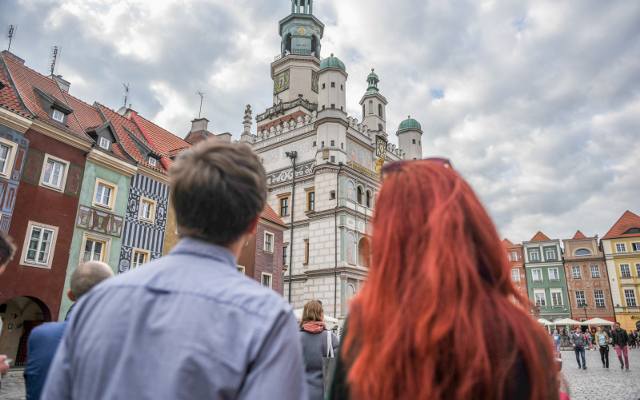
(439,317)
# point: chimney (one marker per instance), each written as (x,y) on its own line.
(225,137)
(199,124)
(62,84)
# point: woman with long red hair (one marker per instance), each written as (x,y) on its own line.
(438,317)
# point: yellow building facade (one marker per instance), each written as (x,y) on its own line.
(621,247)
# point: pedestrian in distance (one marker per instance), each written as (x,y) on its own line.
(556,340)
(7,251)
(404,335)
(579,341)
(188,325)
(45,339)
(602,339)
(620,344)
(317,344)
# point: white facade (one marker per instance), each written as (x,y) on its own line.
(336,173)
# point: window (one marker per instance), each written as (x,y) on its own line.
(583,252)
(333,106)
(341,87)
(540,297)
(359,194)
(311,200)
(105,194)
(630,297)
(556,297)
(54,173)
(550,253)
(635,246)
(515,275)
(554,274)
(333,143)
(581,301)
(536,274)
(104,143)
(306,252)
(625,271)
(269,239)
(94,250)
(368,199)
(575,272)
(284,206)
(534,254)
(7,154)
(266,280)
(314,144)
(57,115)
(621,248)
(39,245)
(638,270)
(333,84)
(332,195)
(139,257)
(332,159)
(598,296)
(324,85)
(380,110)
(285,254)
(370,106)
(147,211)
(513,256)
(595,271)
(242,269)
(152,161)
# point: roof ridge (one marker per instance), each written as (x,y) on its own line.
(619,224)
(15,87)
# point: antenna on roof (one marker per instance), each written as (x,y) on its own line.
(11,34)
(201,94)
(55,53)
(126,94)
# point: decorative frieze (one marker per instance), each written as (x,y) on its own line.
(99,221)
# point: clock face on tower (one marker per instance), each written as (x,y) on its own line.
(281,82)
(381,147)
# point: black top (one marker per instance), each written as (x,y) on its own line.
(620,337)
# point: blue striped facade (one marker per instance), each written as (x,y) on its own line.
(9,187)
(139,234)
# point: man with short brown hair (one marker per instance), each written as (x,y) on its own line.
(188,325)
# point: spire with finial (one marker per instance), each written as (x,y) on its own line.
(246,121)
(373,80)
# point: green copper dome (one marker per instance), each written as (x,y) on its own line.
(409,124)
(332,62)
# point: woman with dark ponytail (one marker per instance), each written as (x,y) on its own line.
(438,270)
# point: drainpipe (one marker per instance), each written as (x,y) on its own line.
(335,252)
(293,155)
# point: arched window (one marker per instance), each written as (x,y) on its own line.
(380,127)
(583,252)
(364,252)
(360,195)
(368,199)
(380,110)
(370,106)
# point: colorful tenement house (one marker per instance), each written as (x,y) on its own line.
(516,260)
(545,277)
(41,116)
(621,246)
(587,279)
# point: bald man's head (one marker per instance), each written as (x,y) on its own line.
(87,275)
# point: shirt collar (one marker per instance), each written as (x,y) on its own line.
(201,248)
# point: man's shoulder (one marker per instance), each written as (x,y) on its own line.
(48,330)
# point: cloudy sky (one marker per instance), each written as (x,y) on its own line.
(536,102)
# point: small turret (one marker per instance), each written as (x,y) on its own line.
(410,138)
(374,106)
(246,122)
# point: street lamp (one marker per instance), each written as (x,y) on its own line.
(584,308)
(293,156)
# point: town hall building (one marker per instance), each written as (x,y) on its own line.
(323,165)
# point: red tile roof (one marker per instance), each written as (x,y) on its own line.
(8,96)
(124,129)
(26,80)
(627,221)
(507,243)
(540,237)
(579,235)
(271,216)
(161,139)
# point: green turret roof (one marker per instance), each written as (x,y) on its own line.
(409,124)
(332,62)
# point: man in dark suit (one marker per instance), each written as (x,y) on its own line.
(44,339)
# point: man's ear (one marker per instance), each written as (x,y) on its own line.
(253,227)
(71,296)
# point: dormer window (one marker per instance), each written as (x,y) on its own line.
(57,115)
(104,143)
(153,162)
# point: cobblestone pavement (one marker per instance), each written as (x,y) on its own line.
(593,383)
(598,383)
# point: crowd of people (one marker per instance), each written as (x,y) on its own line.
(188,326)
(583,339)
